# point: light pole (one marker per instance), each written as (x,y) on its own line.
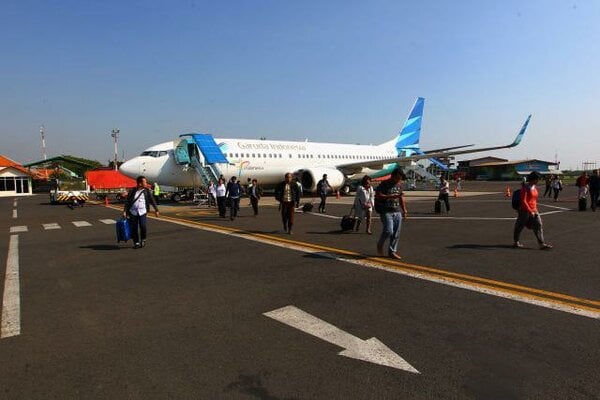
(43,142)
(115,136)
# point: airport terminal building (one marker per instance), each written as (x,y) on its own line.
(14,179)
(494,168)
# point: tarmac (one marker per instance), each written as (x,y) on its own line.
(220,309)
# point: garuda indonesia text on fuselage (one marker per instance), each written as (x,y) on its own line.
(194,159)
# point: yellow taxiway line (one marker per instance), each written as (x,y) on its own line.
(558,301)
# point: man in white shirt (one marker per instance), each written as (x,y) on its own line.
(136,209)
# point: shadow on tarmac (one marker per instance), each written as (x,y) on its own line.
(102,247)
(482,246)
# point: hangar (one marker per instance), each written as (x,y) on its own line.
(494,168)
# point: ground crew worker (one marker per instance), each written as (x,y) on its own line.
(156,191)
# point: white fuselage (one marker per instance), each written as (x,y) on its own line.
(264,160)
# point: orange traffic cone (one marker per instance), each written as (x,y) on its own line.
(105,200)
(337,195)
(507,192)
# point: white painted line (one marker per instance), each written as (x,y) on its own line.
(108,221)
(52,225)
(371,350)
(17,229)
(15,203)
(551,212)
(557,207)
(15,213)
(11,301)
(80,224)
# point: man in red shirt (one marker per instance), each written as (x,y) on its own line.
(528,213)
(582,183)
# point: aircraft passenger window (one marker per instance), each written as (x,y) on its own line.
(253,155)
(290,156)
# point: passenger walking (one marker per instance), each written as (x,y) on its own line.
(556,186)
(548,181)
(234,191)
(255,192)
(323,187)
(288,195)
(221,191)
(595,189)
(136,209)
(363,203)
(391,207)
(582,183)
(444,194)
(528,213)
(300,190)
(212,194)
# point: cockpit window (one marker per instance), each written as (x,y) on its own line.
(154,153)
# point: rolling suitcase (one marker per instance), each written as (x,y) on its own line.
(307,207)
(582,204)
(123,230)
(348,223)
(437,208)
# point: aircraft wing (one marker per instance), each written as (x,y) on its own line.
(448,148)
(378,164)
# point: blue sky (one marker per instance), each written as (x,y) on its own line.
(339,71)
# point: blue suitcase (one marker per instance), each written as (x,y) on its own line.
(123,230)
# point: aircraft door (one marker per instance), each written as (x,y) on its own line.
(182,155)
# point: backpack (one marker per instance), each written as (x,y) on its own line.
(379,206)
(516,200)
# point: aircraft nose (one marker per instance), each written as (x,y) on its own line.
(131,168)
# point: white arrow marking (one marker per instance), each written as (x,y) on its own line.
(371,350)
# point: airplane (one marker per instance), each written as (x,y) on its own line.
(195,159)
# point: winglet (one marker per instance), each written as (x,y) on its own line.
(521,133)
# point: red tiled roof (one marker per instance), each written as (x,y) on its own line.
(7,162)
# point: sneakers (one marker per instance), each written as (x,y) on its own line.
(137,245)
(518,245)
(546,246)
(395,256)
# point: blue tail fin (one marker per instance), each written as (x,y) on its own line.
(407,141)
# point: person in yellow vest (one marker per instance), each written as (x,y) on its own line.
(156,191)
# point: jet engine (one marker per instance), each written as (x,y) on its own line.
(310,177)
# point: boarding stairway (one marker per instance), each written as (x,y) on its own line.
(422,172)
(205,161)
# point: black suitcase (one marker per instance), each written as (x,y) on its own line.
(348,223)
(583,204)
(437,208)
(307,207)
